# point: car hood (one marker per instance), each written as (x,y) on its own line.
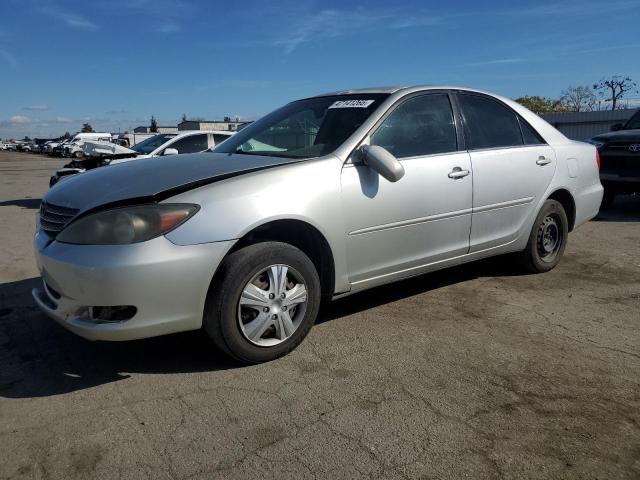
(620,136)
(153,178)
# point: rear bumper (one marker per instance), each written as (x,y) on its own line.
(166,283)
(588,201)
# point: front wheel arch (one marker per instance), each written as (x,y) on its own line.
(301,235)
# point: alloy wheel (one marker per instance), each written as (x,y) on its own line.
(272,305)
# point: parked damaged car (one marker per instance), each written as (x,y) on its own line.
(99,154)
(324,197)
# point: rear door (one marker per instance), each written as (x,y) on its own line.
(512,168)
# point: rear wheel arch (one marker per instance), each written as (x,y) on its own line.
(564,197)
(301,235)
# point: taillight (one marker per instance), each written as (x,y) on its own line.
(598,158)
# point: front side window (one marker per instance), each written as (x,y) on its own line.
(305,129)
(489,124)
(422,125)
(191,144)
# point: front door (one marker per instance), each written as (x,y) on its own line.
(398,228)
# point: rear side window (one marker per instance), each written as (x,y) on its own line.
(489,124)
(191,144)
(422,125)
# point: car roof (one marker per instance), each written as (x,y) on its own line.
(395,89)
(183,132)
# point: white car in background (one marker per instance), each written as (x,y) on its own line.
(191,141)
(162,144)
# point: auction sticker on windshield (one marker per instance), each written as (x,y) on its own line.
(351,104)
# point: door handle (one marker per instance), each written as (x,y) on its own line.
(457,172)
(542,161)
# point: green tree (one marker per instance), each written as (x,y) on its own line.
(66,135)
(153,127)
(541,105)
(579,99)
(614,88)
(26,138)
(184,117)
(87,128)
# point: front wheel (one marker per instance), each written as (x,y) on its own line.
(548,238)
(263,302)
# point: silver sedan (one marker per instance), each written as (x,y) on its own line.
(324,197)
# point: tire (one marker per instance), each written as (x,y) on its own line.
(537,256)
(608,198)
(78,155)
(229,325)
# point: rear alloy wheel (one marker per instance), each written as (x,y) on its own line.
(548,238)
(263,302)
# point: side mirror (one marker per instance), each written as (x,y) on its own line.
(381,161)
(616,126)
(170,151)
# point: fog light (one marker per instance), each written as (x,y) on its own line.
(117,313)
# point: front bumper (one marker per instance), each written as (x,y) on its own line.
(166,283)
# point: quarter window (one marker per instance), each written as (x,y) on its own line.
(191,144)
(489,124)
(529,135)
(422,125)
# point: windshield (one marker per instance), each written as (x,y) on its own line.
(634,122)
(150,144)
(306,128)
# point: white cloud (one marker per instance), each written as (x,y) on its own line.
(71,19)
(499,61)
(168,27)
(162,15)
(19,120)
(39,107)
(63,120)
(338,23)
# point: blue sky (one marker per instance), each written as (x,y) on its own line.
(117,62)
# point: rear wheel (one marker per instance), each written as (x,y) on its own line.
(78,154)
(548,238)
(263,302)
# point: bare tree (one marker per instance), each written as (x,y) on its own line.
(614,88)
(579,99)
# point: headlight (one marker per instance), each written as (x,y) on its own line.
(126,225)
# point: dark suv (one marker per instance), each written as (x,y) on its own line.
(620,159)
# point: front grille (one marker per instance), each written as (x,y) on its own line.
(54,218)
